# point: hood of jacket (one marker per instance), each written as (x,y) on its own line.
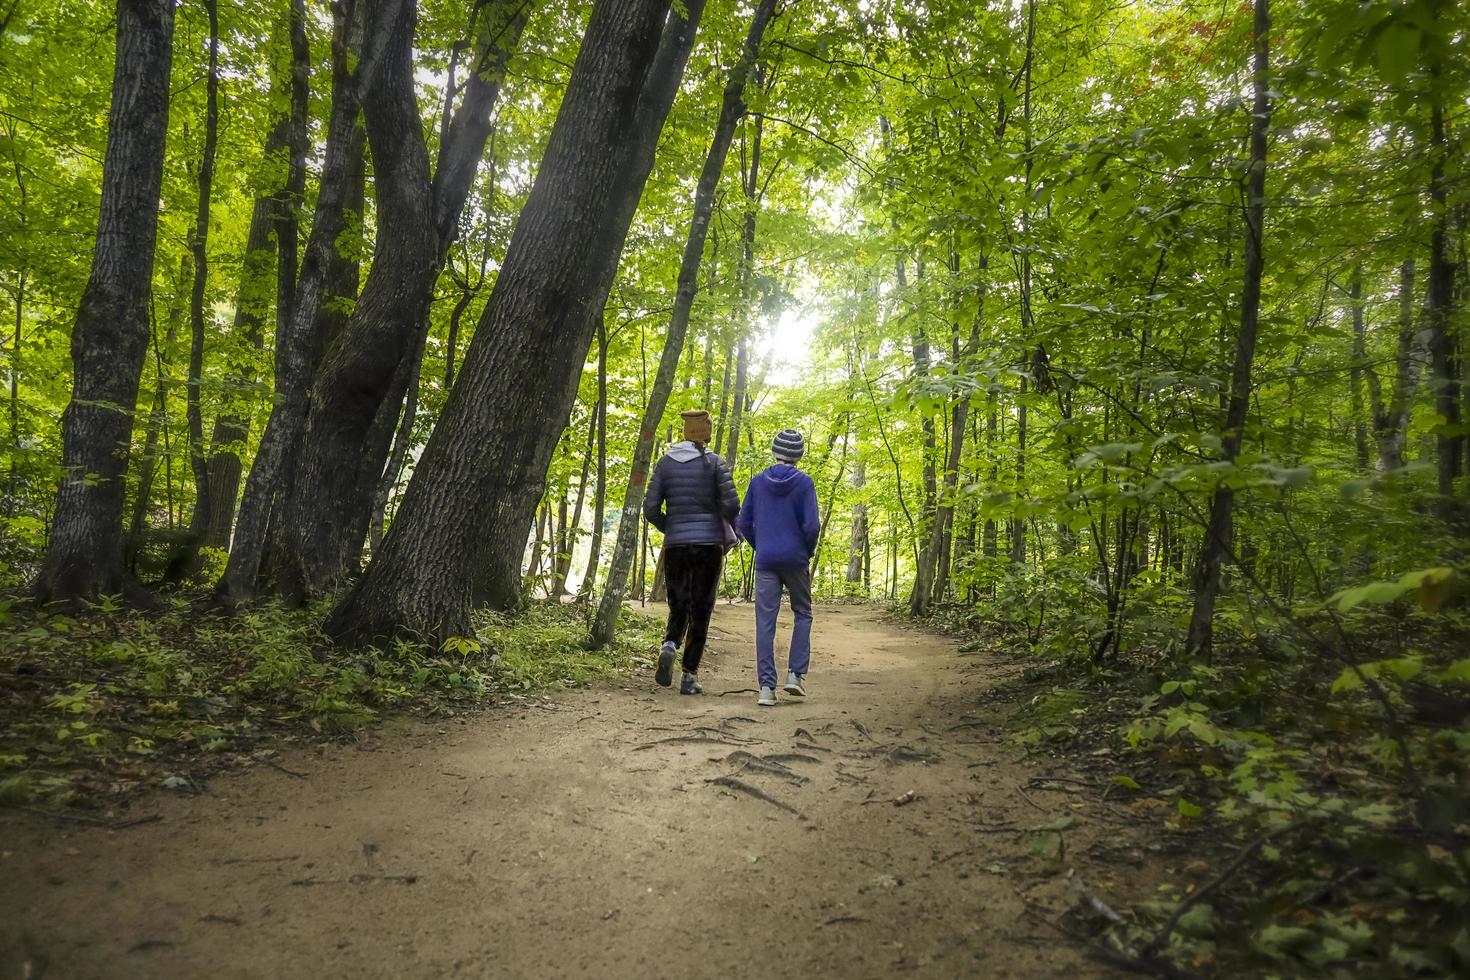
(783,478)
(683,452)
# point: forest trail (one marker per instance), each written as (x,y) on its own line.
(589,836)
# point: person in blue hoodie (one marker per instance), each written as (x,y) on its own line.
(781,521)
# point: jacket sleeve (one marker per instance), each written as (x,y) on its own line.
(729,497)
(811,517)
(745,524)
(653,500)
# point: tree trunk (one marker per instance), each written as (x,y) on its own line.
(311,314)
(1439,312)
(731,110)
(724,393)
(199,249)
(1360,368)
(941,543)
(564,559)
(363,378)
(924,570)
(268,266)
(110,340)
(402,440)
(751,186)
(1217,543)
(599,495)
(477,482)
(857,547)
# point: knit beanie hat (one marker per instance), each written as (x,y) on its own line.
(697,426)
(788,446)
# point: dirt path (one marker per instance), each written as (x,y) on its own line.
(591,837)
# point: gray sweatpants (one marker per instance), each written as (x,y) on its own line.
(769,582)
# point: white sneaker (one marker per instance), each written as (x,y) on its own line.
(794,686)
(767,698)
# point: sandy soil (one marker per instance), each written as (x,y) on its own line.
(616,831)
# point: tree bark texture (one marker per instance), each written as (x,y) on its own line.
(495,564)
(110,340)
(480,475)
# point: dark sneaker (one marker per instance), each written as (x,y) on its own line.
(690,684)
(664,676)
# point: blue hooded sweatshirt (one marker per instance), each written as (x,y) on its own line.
(779,517)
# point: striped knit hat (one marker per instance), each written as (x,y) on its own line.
(788,446)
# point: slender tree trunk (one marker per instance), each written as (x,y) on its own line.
(1439,310)
(110,340)
(599,494)
(942,542)
(1391,421)
(569,543)
(478,479)
(1360,369)
(268,268)
(402,440)
(1217,543)
(533,566)
(724,394)
(731,110)
(199,249)
(857,547)
(157,428)
(751,185)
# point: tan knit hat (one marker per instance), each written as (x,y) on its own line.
(697,425)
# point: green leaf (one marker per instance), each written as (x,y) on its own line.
(1127,782)
(1397,51)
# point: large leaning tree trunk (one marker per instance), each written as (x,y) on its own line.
(1217,542)
(732,109)
(481,474)
(496,581)
(365,374)
(110,340)
(356,51)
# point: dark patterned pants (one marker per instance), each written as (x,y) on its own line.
(693,575)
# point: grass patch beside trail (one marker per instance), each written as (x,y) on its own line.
(95,708)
